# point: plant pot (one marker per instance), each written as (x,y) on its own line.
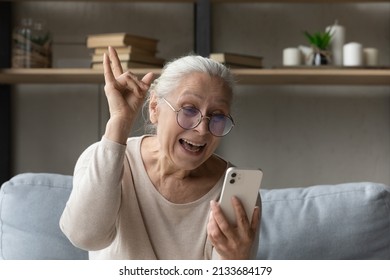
(320,59)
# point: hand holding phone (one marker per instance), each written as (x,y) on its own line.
(245,185)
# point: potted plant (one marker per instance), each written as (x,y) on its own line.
(320,42)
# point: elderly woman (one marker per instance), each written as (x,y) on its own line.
(154,196)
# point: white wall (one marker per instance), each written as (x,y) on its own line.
(299,135)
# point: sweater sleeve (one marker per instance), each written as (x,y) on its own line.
(90,214)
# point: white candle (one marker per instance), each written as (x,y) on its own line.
(370,56)
(337,42)
(353,54)
(292,57)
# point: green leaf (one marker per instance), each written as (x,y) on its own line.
(320,40)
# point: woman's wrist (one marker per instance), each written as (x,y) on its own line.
(117,130)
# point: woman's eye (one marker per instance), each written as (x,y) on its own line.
(190,111)
(218,117)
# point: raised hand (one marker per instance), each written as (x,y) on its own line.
(125,95)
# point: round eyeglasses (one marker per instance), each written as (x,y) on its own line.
(189,117)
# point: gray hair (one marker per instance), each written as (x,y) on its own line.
(174,71)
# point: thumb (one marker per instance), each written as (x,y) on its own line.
(147,79)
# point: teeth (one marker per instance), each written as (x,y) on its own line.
(193,144)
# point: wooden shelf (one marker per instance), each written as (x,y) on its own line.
(298,1)
(313,76)
(279,76)
(215,1)
(112,1)
(59,75)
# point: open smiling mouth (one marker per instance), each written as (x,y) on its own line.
(192,147)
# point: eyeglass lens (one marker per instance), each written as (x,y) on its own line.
(190,117)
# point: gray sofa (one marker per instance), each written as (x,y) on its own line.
(346,221)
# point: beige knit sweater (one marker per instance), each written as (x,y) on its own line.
(115,212)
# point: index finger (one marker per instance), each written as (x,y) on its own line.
(108,75)
(241,216)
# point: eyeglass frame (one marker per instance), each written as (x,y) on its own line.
(200,119)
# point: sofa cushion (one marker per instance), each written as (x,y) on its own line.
(345,221)
(30,208)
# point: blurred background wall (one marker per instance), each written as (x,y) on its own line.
(299,135)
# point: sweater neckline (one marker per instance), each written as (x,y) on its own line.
(213,193)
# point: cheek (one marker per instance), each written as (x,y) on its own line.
(213,144)
(166,124)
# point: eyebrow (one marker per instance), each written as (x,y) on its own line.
(198,96)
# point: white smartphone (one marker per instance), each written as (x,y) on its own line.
(245,185)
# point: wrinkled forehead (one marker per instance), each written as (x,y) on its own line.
(203,85)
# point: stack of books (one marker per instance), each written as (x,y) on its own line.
(235,60)
(133,51)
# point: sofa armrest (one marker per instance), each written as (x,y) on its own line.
(345,221)
(30,208)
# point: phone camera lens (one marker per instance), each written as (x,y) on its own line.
(234,175)
(232,181)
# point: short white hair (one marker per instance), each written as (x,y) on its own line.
(175,70)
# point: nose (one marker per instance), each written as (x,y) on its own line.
(203,126)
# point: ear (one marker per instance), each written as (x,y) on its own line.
(153,108)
